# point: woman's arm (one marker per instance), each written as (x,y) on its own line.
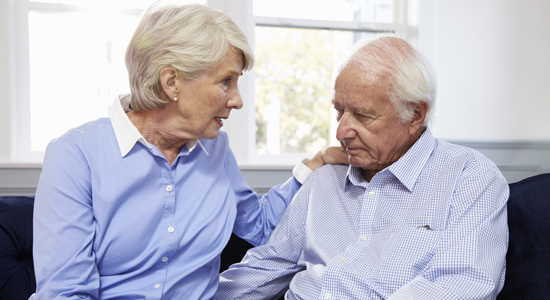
(64,226)
(256,219)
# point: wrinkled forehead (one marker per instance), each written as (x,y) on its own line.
(353,77)
(356,90)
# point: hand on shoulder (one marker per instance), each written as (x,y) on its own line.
(334,155)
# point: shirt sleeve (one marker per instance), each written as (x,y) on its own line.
(469,262)
(257,217)
(64,227)
(301,172)
(266,271)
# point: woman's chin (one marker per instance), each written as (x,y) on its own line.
(211,134)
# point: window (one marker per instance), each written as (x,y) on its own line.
(76,72)
(299,46)
(66,62)
(70,66)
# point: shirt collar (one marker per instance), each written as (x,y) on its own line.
(407,168)
(127,135)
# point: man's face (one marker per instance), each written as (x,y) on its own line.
(369,128)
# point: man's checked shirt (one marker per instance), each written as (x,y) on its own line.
(433,225)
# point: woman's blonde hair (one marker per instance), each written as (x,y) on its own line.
(191,38)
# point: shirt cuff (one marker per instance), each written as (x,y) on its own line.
(301,172)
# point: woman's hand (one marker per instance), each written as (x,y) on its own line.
(334,155)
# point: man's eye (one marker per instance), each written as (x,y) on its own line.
(339,114)
(363,116)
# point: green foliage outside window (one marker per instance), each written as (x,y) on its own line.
(297,67)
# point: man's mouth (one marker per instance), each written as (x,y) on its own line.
(219,120)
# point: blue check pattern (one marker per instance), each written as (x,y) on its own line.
(433,225)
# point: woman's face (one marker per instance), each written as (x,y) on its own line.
(207,100)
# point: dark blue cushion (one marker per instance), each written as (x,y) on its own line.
(528,258)
(16,267)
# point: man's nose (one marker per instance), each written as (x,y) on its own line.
(346,128)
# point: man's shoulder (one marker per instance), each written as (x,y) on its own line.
(330,173)
(445,152)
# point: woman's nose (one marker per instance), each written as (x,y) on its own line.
(236,101)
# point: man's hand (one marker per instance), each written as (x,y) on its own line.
(334,155)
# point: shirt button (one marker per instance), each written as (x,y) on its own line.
(363,237)
(327,296)
(169,188)
(371,194)
(164,259)
(157,285)
(343,259)
(170,229)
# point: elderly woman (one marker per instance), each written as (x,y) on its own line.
(139,205)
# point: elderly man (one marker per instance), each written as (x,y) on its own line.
(412,217)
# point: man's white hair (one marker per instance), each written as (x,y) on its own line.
(409,75)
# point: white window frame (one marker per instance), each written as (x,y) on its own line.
(15,98)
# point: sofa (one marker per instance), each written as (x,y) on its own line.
(527,260)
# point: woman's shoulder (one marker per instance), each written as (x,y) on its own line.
(87,133)
(89,128)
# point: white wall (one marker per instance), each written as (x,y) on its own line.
(492,59)
(5,87)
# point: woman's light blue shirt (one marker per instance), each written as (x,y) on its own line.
(114,220)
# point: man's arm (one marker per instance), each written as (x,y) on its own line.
(267,270)
(470,260)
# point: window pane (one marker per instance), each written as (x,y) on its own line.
(76,69)
(379,11)
(105,4)
(295,70)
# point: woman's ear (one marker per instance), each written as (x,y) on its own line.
(169,77)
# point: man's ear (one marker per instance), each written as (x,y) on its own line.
(420,109)
(169,77)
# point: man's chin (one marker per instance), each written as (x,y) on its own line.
(359,163)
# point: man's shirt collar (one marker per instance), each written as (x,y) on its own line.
(407,168)
(127,135)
